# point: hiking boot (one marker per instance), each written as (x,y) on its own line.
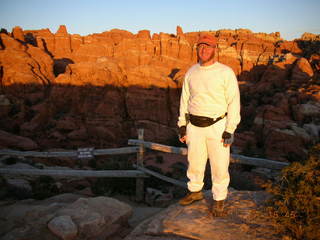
(218,208)
(191,197)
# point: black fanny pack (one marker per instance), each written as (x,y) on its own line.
(201,121)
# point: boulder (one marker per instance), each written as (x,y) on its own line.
(94,215)
(311,109)
(101,72)
(303,112)
(276,74)
(313,130)
(66,124)
(63,227)
(245,141)
(65,216)
(157,198)
(315,61)
(302,72)
(19,187)
(5,106)
(277,147)
(9,140)
(80,134)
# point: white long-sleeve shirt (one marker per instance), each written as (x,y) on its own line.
(211,91)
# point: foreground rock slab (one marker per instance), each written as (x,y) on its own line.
(65,216)
(244,220)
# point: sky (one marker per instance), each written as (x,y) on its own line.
(289,17)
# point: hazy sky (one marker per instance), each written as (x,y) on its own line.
(289,17)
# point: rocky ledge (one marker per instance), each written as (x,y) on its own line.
(245,219)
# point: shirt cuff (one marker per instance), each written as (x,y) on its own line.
(230,129)
(182,123)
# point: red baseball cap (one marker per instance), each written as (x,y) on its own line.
(208,40)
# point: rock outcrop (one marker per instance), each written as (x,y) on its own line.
(24,64)
(66,216)
(71,216)
(112,83)
(8,140)
(244,220)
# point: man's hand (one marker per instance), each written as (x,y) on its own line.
(182,134)
(227,139)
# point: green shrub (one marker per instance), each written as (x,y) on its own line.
(295,204)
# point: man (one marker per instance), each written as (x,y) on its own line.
(209,115)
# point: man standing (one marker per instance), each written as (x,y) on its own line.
(209,115)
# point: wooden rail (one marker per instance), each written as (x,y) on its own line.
(75,173)
(159,147)
(258,162)
(234,158)
(164,178)
(94,152)
(82,153)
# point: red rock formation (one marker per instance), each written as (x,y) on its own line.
(8,140)
(62,43)
(144,34)
(179,31)
(302,72)
(17,33)
(101,87)
(310,37)
(24,63)
(104,71)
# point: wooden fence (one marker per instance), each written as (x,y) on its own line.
(234,158)
(140,173)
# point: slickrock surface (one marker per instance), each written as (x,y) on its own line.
(244,220)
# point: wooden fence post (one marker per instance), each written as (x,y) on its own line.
(140,181)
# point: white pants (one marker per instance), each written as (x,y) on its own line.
(204,142)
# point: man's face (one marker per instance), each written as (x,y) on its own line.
(205,53)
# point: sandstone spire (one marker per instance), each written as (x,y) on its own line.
(179,31)
(62,30)
(17,33)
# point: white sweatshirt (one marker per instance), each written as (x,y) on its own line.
(211,91)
